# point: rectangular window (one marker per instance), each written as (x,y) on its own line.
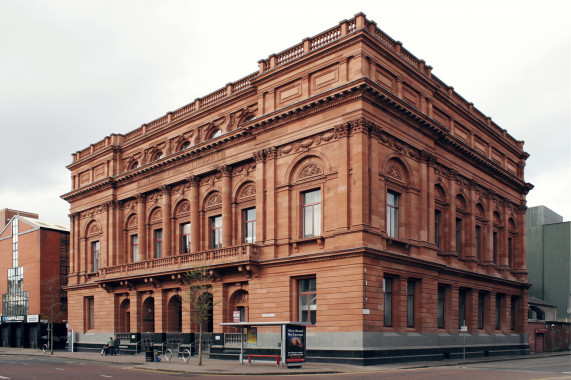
(498,311)
(478,242)
(495,246)
(510,252)
(441,306)
(458,236)
(216,232)
(461,308)
(481,302)
(437,216)
(158,243)
(392,214)
(311,213)
(249,216)
(307,290)
(135,247)
(185,238)
(89,313)
(388,300)
(513,312)
(410,303)
(95,256)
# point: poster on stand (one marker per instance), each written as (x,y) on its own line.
(294,344)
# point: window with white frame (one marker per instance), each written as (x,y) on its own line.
(393,214)
(95,247)
(307,295)
(311,213)
(249,217)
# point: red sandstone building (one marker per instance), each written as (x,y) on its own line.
(342,184)
(33,271)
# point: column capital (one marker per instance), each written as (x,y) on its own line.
(270,153)
(226,170)
(193,180)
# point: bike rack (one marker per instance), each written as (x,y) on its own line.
(168,355)
(186,359)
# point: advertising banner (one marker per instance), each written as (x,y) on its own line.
(252,336)
(19,318)
(294,344)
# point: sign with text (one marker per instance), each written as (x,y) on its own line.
(19,318)
(294,344)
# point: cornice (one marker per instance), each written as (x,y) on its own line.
(389,256)
(442,135)
(353,91)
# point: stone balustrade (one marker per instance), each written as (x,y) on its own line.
(308,45)
(214,257)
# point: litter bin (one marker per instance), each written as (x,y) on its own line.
(149,355)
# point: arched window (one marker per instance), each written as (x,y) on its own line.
(461,208)
(157,156)
(185,145)
(512,238)
(133,165)
(215,133)
(479,233)
(397,181)
(246,199)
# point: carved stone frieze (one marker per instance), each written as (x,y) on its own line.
(307,143)
(248,191)
(394,172)
(184,208)
(309,170)
(214,200)
(193,180)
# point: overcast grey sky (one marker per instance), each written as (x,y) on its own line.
(73,72)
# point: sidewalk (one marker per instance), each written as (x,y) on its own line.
(233,367)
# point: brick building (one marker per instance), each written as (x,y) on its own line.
(33,269)
(342,184)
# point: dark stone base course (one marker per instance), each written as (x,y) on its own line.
(389,356)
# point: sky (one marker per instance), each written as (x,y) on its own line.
(73,72)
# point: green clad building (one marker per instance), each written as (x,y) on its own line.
(548,240)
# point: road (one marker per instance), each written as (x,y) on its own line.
(20,367)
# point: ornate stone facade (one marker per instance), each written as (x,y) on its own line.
(344,166)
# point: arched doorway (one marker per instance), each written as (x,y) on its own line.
(124,316)
(148,315)
(174,314)
(239,306)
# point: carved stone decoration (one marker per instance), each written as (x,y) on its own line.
(184,208)
(94,229)
(309,170)
(394,172)
(133,222)
(248,191)
(270,153)
(243,298)
(214,200)
(157,216)
(193,180)
(225,170)
(259,156)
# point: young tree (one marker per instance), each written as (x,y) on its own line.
(200,300)
(51,294)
